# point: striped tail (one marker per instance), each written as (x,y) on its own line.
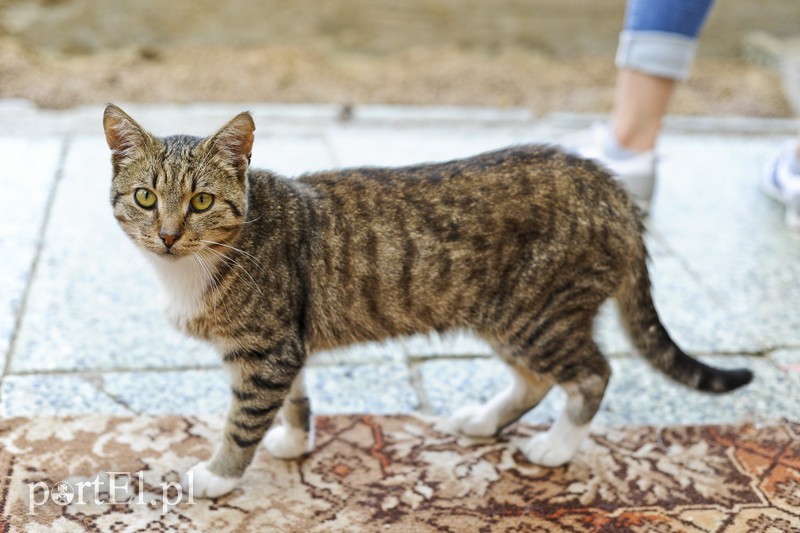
(654,343)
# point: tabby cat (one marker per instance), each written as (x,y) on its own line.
(520,245)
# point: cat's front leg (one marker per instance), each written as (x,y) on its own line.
(261,380)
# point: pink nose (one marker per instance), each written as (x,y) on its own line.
(169,238)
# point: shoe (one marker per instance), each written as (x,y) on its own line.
(780,183)
(637,174)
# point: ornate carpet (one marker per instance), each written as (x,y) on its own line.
(399,473)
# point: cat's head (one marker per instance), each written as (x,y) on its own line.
(178,196)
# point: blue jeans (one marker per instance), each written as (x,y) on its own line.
(660,36)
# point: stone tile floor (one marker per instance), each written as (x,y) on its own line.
(80,330)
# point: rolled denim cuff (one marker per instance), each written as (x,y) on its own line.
(667,55)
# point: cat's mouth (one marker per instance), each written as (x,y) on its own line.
(177,251)
(173,253)
(168,253)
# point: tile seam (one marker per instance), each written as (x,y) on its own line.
(42,230)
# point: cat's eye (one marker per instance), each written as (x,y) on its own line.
(145,198)
(202,201)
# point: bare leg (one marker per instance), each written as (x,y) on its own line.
(640,103)
(295,436)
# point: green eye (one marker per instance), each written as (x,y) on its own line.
(145,198)
(202,201)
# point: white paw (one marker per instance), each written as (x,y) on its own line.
(472,421)
(205,484)
(542,450)
(284,442)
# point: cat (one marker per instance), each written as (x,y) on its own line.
(520,245)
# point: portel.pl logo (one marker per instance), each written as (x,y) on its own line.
(115,490)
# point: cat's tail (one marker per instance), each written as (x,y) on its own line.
(653,342)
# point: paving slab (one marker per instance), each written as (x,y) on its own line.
(42,395)
(93,303)
(291,155)
(787,360)
(386,146)
(680,124)
(190,392)
(452,115)
(376,388)
(390,351)
(638,394)
(453,383)
(728,234)
(403,349)
(29,170)
(697,321)
(695,318)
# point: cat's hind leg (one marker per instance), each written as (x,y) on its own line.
(295,437)
(523,394)
(585,382)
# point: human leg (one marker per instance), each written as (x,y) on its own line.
(640,104)
(656,50)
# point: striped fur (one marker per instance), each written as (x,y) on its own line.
(520,245)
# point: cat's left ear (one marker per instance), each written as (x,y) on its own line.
(124,136)
(234,141)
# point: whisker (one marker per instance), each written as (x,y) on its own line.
(232,261)
(238,275)
(251,256)
(215,287)
(196,261)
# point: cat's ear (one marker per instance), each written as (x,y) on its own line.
(234,141)
(124,136)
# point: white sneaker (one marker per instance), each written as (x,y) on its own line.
(637,174)
(780,183)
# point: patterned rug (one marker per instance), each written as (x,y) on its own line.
(399,473)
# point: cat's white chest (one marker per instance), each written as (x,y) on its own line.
(184,283)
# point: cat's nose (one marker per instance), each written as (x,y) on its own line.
(169,238)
